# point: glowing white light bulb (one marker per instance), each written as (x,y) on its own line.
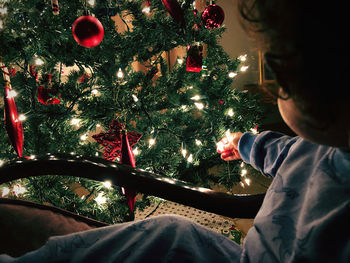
(1,162)
(136,151)
(196,97)
(98,125)
(91,2)
(19,190)
(244,172)
(135,98)
(190,158)
(247,181)
(22,117)
(243,57)
(75,122)
(3,11)
(11,94)
(120,73)
(1,24)
(146,10)
(151,142)
(184,152)
(84,137)
(230,112)
(232,74)
(180,61)
(244,68)
(32,157)
(5,191)
(254,130)
(198,142)
(95,92)
(38,61)
(242,164)
(96,154)
(199,105)
(107,184)
(100,199)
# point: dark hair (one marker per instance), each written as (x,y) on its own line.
(304,44)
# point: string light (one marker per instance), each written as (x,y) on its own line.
(180,61)
(22,117)
(244,68)
(146,10)
(230,112)
(100,199)
(120,73)
(3,11)
(75,122)
(91,2)
(1,24)
(199,105)
(84,137)
(198,142)
(136,151)
(1,163)
(243,172)
(95,92)
(196,97)
(190,158)
(19,190)
(247,181)
(38,61)
(107,184)
(11,94)
(96,154)
(254,130)
(232,74)
(5,191)
(135,98)
(32,157)
(98,125)
(151,142)
(243,57)
(184,152)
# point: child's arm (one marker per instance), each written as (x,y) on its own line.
(265,151)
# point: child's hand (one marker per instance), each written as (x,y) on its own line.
(228,146)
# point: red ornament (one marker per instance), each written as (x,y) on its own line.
(48,95)
(194,60)
(118,142)
(213,16)
(112,140)
(127,158)
(175,11)
(13,125)
(88,31)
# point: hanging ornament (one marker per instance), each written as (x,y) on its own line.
(55,7)
(13,125)
(112,140)
(48,95)
(213,16)
(127,158)
(175,11)
(88,31)
(194,60)
(118,142)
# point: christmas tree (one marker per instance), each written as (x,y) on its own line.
(159,70)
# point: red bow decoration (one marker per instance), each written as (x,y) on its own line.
(118,142)
(112,140)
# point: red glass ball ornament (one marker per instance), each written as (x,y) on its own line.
(213,16)
(88,31)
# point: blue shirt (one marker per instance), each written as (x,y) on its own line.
(305,216)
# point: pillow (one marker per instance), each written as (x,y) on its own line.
(26,226)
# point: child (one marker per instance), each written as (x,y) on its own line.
(306,212)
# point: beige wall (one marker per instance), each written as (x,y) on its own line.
(236,42)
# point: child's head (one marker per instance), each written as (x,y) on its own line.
(305,45)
